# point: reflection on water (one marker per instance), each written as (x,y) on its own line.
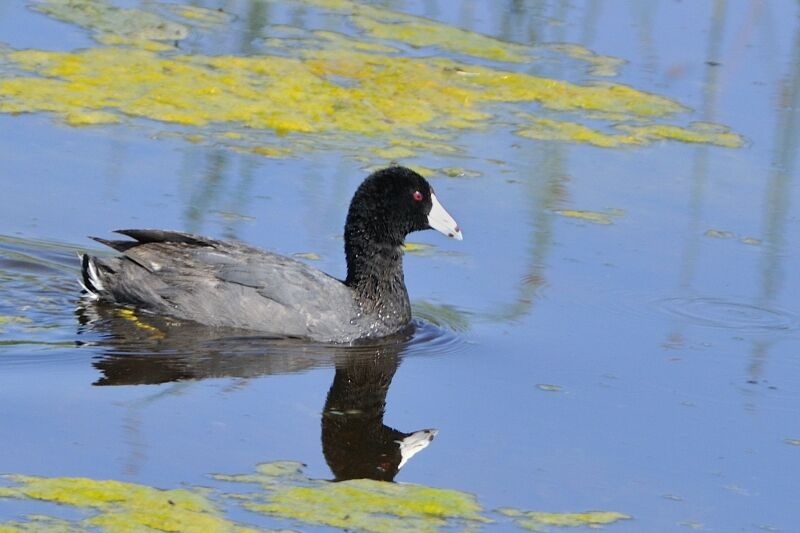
(355,441)
(140,349)
(666,343)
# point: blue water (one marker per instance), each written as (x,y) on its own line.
(674,354)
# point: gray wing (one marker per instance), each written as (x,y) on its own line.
(226,284)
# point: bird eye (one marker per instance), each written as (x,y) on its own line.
(417,196)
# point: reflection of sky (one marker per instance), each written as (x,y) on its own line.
(654,404)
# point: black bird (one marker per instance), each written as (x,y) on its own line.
(230,284)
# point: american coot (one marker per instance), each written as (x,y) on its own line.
(230,284)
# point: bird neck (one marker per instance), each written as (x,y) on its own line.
(374,270)
(375,273)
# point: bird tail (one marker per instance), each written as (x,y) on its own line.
(90,277)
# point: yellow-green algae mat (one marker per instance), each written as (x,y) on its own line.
(313,88)
(285,492)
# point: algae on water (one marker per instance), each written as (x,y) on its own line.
(284,493)
(317,89)
(541,521)
(115,506)
(103,18)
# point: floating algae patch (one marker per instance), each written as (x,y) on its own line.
(201,16)
(114,506)
(423,33)
(360,505)
(102,18)
(459,172)
(541,521)
(750,241)
(308,256)
(599,65)
(134,42)
(697,132)
(393,153)
(40,524)
(726,234)
(416,31)
(557,130)
(341,40)
(320,88)
(7,319)
(284,492)
(595,217)
(418,248)
(719,234)
(91,118)
(425,172)
(426,145)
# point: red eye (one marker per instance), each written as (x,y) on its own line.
(417,196)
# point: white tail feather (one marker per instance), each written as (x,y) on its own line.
(94,277)
(87,292)
(90,279)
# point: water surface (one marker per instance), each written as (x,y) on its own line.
(619,330)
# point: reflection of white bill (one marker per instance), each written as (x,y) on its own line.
(415,443)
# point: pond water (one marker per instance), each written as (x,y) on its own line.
(614,343)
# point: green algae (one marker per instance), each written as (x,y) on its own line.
(541,521)
(284,492)
(321,88)
(726,234)
(362,505)
(425,172)
(14,322)
(103,18)
(595,217)
(556,130)
(386,24)
(459,172)
(697,132)
(393,153)
(342,41)
(289,95)
(10,319)
(308,256)
(599,65)
(368,505)
(750,241)
(719,234)
(117,506)
(551,129)
(425,33)
(418,248)
(200,15)
(41,524)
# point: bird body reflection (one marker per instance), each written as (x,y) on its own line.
(145,349)
(355,441)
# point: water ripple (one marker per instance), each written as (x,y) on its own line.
(729,314)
